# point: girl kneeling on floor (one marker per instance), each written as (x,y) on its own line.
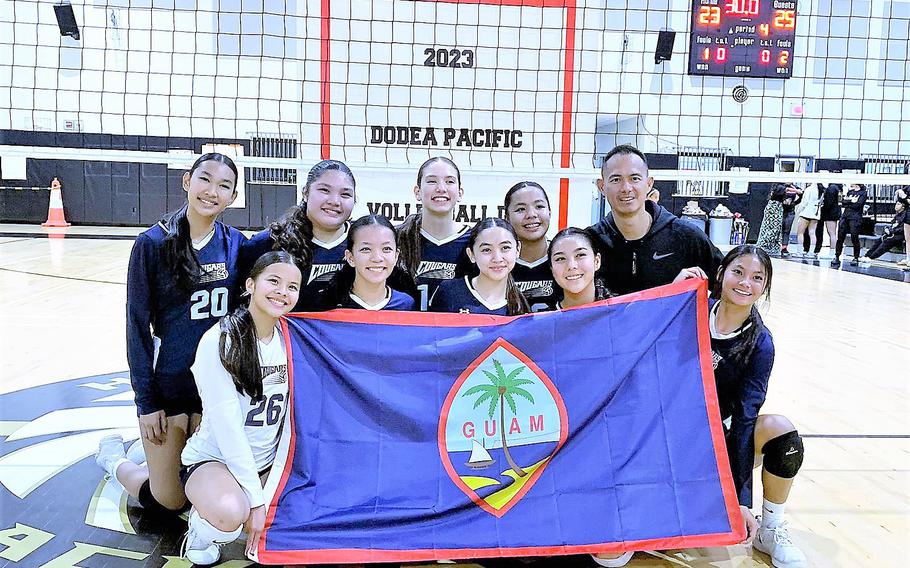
(241,372)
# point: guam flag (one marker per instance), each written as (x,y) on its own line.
(419,436)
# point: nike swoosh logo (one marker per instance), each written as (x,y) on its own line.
(660,256)
(791,452)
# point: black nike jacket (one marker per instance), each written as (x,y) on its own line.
(670,245)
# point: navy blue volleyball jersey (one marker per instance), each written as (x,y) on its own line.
(154,306)
(535,280)
(396,301)
(741,390)
(327,260)
(459,297)
(438,260)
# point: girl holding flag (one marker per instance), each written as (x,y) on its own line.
(743,357)
(241,369)
(574,262)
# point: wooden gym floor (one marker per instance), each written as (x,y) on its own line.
(841,375)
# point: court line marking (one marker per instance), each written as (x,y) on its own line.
(858,436)
(86,236)
(61,277)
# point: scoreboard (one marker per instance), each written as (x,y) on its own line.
(742,38)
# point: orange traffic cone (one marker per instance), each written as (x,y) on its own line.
(55,216)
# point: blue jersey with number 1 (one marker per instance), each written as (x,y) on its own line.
(156,308)
(438,261)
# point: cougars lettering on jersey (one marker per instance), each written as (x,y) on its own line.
(178,319)
(274,374)
(436,270)
(323,272)
(438,261)
(535,281)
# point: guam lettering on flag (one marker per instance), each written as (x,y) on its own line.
(419,436)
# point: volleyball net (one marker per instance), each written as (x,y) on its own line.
(514,89)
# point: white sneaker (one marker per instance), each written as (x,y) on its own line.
(202,543)
(613,562)
(776,543)
(110,453)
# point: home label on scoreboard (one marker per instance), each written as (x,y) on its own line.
(743,38)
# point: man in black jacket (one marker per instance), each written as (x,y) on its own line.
(642,244)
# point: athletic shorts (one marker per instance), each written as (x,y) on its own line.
(831,214)
(187,470)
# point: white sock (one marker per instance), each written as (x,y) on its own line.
(117,464)
(772,514)
(206,531)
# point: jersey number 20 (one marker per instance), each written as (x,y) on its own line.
(207,303)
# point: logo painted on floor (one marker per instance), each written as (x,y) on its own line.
(58,507)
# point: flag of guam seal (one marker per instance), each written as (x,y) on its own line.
(501,424)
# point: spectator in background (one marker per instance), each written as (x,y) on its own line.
(852,218)
(808,219)
(793,196)
(769,235)
(893,235)
(903,195)
(830,214)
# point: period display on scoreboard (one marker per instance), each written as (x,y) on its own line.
(742,38)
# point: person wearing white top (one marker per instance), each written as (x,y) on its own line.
(808,218)
(241,373)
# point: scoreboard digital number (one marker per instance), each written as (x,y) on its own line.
(742,38)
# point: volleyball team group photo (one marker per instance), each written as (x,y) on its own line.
(475,283)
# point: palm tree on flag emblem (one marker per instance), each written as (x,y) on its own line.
(502,391)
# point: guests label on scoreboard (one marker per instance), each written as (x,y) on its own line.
(459,137)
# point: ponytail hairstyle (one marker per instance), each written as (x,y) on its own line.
(753,325)
(601,292)
(521,185)
(409,230)
(515,300)
(178,246)
(293,232)
(337,293)
(237,344)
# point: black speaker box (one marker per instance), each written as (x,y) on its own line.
(66,20)
(664,50)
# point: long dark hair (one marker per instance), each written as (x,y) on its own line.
(293,232)
(601,292)
(178,246)
(516,303)
(743,350)
(337,293)
(237,344)
(409,230)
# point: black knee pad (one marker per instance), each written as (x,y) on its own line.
(150,504)
(783,455)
